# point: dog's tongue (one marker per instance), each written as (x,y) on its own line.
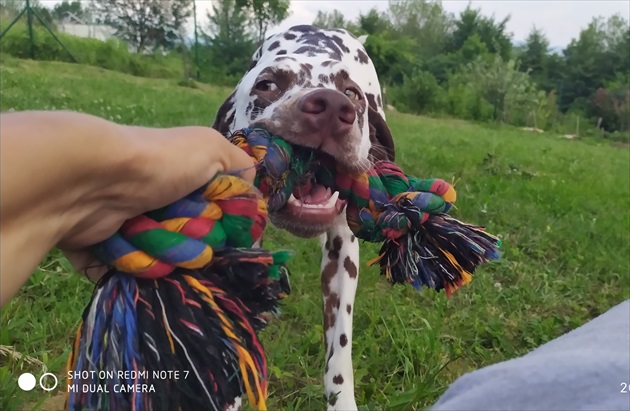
(311,193)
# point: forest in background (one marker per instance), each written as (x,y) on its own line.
(430,62)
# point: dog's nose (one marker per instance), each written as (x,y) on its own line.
(327,111)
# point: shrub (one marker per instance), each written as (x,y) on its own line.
(419,93)
(112,54)
(463,101)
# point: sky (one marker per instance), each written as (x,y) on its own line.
(560,20)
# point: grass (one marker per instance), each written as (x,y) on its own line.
(561,207)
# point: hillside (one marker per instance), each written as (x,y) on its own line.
(561,207)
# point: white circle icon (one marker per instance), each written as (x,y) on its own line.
(45,388)
(27,381)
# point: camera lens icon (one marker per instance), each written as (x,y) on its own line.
(27,381)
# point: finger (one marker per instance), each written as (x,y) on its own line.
(86,264)
(239,163)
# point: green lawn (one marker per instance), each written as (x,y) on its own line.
(561,207)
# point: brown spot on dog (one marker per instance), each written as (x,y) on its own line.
(221,123)
(350,267)
(252,64)
(306,69)
(379,101)
(282,58)
(328,273)
(362,57)
(343,340)
(338,379)
(281,52)
(289,36)
(349,308)
(308,50)
(371,100)
(331,303)
(333,252)
(274,45)
(333,400)
(352,238)
(323,78)
(380,137)
(341,44)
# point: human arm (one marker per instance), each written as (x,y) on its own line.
(70,180)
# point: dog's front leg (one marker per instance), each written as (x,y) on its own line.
(340,261)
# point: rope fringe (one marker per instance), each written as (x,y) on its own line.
(175,323)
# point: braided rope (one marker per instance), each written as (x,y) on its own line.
(227,212)
(193,303)
(422,245)
(197,293)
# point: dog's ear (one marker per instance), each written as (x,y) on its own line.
(224,118)
(381,137)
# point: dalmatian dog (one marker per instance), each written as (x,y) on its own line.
(318,88)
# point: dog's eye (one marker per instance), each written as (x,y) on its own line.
(352,94)
(266,85)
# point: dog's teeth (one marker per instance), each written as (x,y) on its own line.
(330,203)
(294,200)
(333,199)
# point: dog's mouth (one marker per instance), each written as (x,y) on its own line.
(315,203)
(312,208)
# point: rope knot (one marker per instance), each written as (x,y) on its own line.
(227,212)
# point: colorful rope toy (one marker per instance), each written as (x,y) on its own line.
(187,294)
(422,245)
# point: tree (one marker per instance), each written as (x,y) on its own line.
(333,20)
(510,91)
(423,21)
(492,33)
(73,7)
(145,24)
(585,64)
(392,58)
(229,42)
(374,22)
(264,13)
(11,7)
(534,57)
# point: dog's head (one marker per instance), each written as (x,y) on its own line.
(319,89)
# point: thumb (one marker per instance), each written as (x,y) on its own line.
(239,163)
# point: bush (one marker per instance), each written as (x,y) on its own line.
(112,54)
(420,93)
(463,101)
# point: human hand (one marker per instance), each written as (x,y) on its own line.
(70,180)
(176,162)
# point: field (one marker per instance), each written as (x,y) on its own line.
(560,206)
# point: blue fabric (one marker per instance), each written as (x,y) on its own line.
(581,370)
